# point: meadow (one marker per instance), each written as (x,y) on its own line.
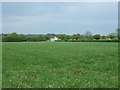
(0,65)
(59,65)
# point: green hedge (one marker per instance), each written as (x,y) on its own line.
(87,41)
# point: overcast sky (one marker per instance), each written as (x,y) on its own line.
(60,17)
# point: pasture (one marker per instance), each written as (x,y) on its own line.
(59,65)
(0,65)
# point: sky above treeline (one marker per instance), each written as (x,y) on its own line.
(59,17)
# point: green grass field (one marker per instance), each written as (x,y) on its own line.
(0,65)
(60,65)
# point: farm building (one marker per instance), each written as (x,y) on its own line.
(53,38)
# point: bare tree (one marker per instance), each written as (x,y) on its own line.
(88,35)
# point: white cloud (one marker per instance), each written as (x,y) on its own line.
(29,21)
(64,15)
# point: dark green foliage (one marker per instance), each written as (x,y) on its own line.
(68,37)
(97,36)
(76,36)
(87,37)
(118,33)
(104,37)
(39,38)
(34,39)
(22,37)
(62,36)
(14,37)
(111,35)
(87,40)
(50,35)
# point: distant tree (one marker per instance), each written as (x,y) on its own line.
(51,35)
(82,37)
(0,37)
(71,37)
(76,36)
(67,37)
(34,39)
(104,37)
(13,37)
(97,36)
(62,36)
(22,37)
(118,33)
(46,37)
(88,35)
(14,34)
(111,35)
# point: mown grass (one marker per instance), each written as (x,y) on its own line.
(60,65)
(0,65)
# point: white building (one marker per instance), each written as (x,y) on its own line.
(53,38)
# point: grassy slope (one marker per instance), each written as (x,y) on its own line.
(68,65)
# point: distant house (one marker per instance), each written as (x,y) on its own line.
(53,38)
(108,39)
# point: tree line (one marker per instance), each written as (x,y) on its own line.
(14,37)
